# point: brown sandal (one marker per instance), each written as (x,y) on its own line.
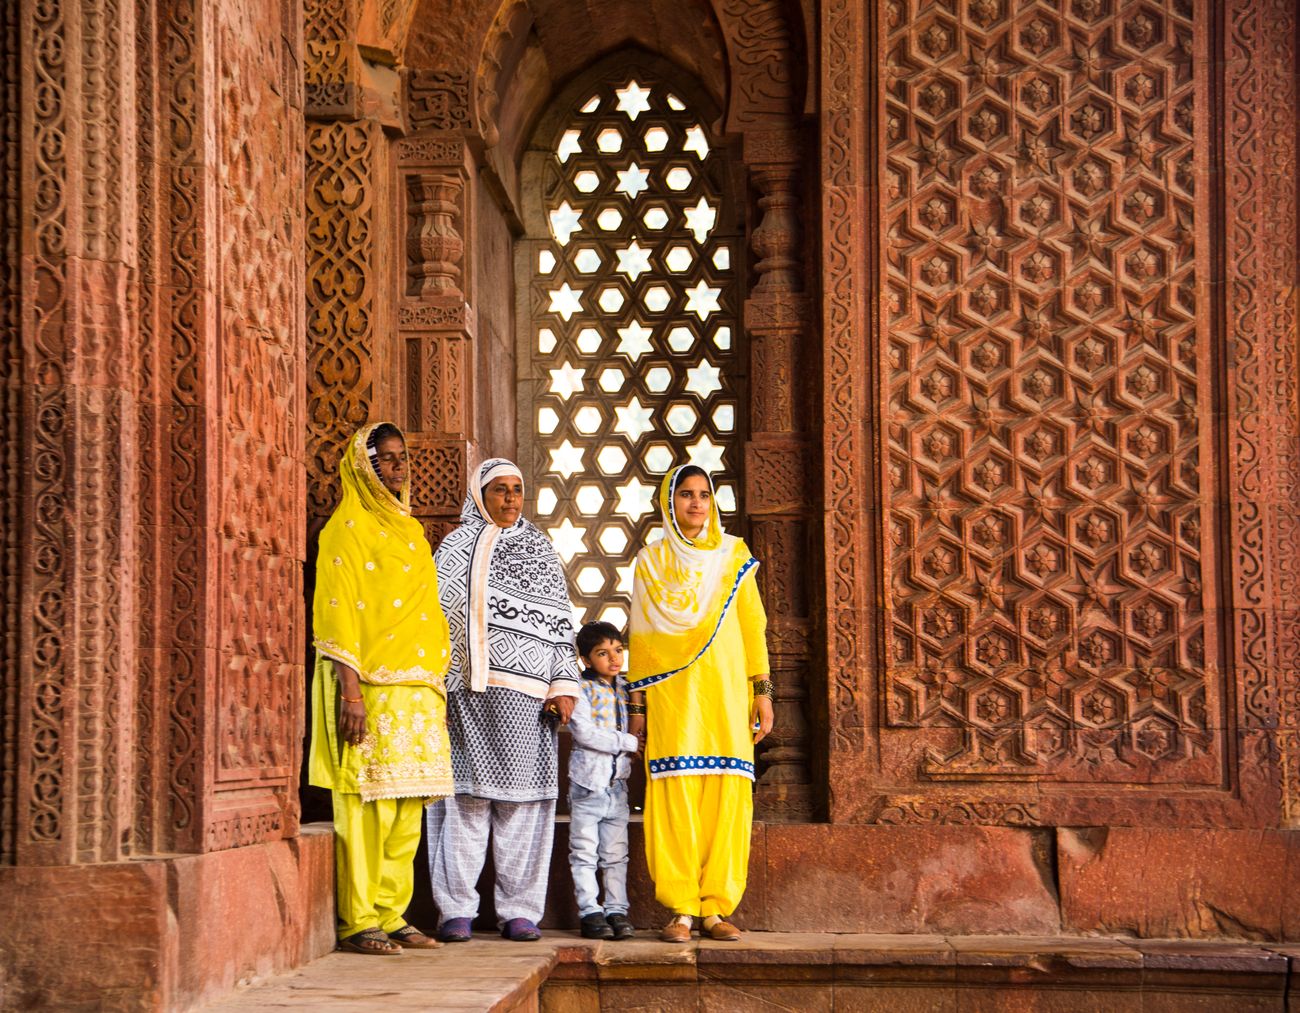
(411,938)
(372,943)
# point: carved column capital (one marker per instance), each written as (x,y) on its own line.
(433,243)
(776,240)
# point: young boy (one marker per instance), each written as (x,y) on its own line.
(599,765)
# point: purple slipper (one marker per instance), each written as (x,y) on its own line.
(521,930)
(455,930)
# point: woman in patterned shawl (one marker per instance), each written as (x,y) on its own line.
(379,733)
(699,673)
(513,677)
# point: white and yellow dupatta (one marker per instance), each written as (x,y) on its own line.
(682,591)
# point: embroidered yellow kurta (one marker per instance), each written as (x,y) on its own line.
(376,610)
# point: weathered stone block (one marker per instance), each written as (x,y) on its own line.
(1174,883)
(908,879)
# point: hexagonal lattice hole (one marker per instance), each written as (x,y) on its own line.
(590,580)
(679,259)
(655,218)
(587,260)
(679,177)
(658,379)
(588,419)
(611,459)
(613,539)
(658,458)
(611,299)
(609,140)
(611,379)
(681,339)
(656,298)
(590,499)
(681,419)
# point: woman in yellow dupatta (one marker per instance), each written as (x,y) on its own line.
(379,728)
(698,665)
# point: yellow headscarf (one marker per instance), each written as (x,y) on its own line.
(682,589)
(376,608)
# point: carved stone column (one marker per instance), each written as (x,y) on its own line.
(433,245)
(778,471)
(437,326)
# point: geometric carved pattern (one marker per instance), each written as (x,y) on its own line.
(633,327)
(437,477)
(1048,364)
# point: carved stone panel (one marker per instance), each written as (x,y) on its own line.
(341,294)
(262,484)
(1049,447)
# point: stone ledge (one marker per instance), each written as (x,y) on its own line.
(163,933)
(795,971)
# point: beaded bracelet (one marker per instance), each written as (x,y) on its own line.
(764,687)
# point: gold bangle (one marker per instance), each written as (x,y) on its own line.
(764,687)
(636,708)
(352,699)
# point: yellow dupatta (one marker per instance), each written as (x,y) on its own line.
(376,607)
(682,590)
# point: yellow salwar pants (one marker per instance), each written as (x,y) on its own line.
(374,859)
(697,831)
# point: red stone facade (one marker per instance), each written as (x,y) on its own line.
(1023,437)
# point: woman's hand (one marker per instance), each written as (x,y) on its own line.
(352,708)
(760,718)
(352,722)
(636,725)
(561,707)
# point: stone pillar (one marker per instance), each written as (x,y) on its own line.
(437,325)
(778,472)
(69,665)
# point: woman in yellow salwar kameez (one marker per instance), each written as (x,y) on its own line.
(699,668)
(379,728)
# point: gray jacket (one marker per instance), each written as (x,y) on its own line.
(602,749)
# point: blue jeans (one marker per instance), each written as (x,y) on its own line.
(598,836)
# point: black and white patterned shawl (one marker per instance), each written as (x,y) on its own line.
(530,619)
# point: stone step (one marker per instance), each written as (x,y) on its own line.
(796,971)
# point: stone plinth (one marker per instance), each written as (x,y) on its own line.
(167,933)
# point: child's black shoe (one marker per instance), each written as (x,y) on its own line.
(594,926)
(622,926)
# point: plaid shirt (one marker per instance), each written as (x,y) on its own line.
(602,748)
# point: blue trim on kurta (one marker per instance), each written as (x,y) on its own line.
(650,680)
(669,766)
